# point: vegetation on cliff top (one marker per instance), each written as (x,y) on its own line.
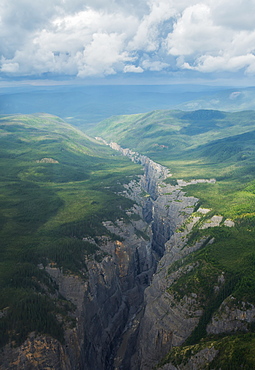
(206,144)
(47,208)
(231,352)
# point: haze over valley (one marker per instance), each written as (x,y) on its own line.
(85,105)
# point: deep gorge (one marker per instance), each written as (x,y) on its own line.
(119,306)
(126,318)
(108,266)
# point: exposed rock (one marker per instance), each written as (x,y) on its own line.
(229,223)
(47,160)
(117,325)
(231,317)
(105,302)
(204,211)
(153,172)
(212,222)
(69,286)
(166,322)
(196,181)
(198,361)
(38,352)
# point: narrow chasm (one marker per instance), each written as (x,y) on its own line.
(114,322)
(114,303)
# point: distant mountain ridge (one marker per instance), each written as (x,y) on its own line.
(82,229)
(84,106)
(171,132)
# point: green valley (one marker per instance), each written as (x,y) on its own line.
(62,196)
(57,186)
(206,144)
(193,145)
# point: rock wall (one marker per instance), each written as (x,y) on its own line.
(232,317)
(125,318)
(164,321)
(153,172)
(115,292)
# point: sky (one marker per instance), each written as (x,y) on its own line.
(137,39)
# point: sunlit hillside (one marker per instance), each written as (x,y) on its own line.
(206,144)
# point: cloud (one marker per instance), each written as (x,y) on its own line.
(102,56)
(201,41)
(103,37)
(236,15)
(149,33)
(10,67)
(224,63)
(87,43)
(156,65)
(132,68)
(194,32)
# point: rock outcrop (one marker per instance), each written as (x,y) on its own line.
(115,291)
(37,352)
(232,317)
(47,160)
(198,361)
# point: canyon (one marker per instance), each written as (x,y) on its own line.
(126,315)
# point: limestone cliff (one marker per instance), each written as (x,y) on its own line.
(165,322)
(232,317)
(126,312)
(104,301)
(115,291)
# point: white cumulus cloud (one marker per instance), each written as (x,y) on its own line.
(155,65)
(102,37)
(132,68)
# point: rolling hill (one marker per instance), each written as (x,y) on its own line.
(57,186)
(205,144)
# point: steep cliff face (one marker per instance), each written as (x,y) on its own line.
(115,291)
(109,299)
(153,172)
(164,205)
(105,302)
(165,322)
(126,315)
(149,315)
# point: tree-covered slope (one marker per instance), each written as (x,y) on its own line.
(57,185)
(164,132)
(207,144)
(198,144)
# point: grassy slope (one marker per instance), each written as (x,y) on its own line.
(199,144)
(176,130)
(46,210)
(206,144)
